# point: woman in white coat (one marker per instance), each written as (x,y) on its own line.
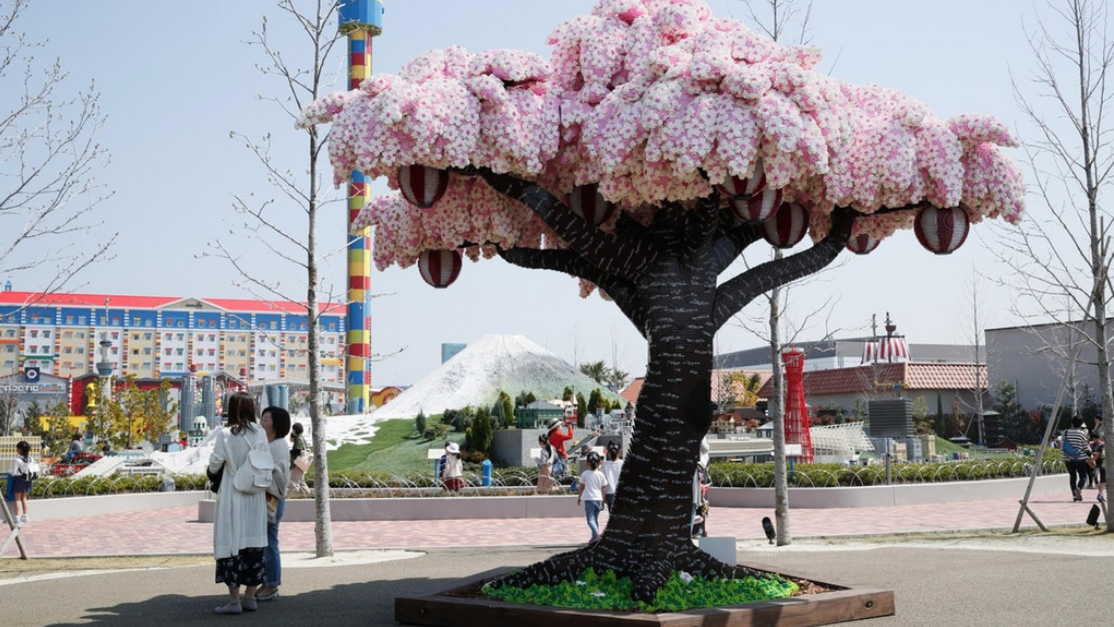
(240,522)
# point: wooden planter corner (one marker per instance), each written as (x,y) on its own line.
(842,604)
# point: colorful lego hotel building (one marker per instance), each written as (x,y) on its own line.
(165,337)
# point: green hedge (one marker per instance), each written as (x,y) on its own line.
(726,474)
(837,475)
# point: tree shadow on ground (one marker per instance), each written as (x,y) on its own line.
(369,603)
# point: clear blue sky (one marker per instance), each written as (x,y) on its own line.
(176,78)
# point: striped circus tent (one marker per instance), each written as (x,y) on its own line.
(891,349)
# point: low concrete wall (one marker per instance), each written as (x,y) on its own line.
(437,508)
(554,506)
(885,496)
(71,507)
(564,506)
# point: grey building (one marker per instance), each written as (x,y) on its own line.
(1036,359)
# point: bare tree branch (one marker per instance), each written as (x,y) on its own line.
(49,159)
(737,292)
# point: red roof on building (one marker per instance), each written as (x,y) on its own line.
(32,299)
(911,376)
(118,301)
(631,392)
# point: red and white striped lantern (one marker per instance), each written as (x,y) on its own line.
(751,199)
(787,226)
(440,268)
(759,207)
(941,230)
(862,243)
(422,186)
(587,202)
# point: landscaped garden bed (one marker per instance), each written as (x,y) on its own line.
(815,603)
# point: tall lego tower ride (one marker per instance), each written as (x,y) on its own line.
(796,413)
(360,21)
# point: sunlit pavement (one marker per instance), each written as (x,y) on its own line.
(176,531)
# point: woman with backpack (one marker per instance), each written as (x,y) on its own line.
(23,472)
(547,455)
(240,520)
(1076,451)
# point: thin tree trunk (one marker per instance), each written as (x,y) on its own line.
(777,415)
(323,527)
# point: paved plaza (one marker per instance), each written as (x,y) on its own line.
(965,579)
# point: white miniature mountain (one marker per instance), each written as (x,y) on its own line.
(476,375)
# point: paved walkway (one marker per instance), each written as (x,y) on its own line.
(176,531)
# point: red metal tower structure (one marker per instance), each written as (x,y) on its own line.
(796,413)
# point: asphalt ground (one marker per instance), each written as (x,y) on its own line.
(986,580)
(940,576)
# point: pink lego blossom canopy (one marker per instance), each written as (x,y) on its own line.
(640,97)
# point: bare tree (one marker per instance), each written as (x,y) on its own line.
(780,14)
(974,328)
(300,191)
(49,159)
(1068,251)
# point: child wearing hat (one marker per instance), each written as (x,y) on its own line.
(557,440)
(454,469)
(592,484)
(546,458)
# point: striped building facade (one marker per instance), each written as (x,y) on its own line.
(164,337)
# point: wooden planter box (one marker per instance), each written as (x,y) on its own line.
(839,605)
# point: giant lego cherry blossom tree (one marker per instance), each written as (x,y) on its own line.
(655,146)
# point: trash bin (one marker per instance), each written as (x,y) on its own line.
(486,472)
(9,483)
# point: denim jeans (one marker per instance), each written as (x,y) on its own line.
(592,513)
(272,562)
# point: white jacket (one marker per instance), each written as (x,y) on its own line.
(280,476)
(241,518)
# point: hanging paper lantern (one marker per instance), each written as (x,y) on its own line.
(759,207)
(751,200)
(862,243)
(787,226)
(941,230)
(587,202)
(422,186)
(440,268)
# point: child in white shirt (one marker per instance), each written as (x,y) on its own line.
(611,468)
(590,491)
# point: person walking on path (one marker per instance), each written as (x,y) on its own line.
(590,491)
(1076,451)
(557,440)
(1098,448)
(276,424)
(240,520)
(301,458)
(23,472)
(612,466)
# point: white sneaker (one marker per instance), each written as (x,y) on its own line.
(23,519)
